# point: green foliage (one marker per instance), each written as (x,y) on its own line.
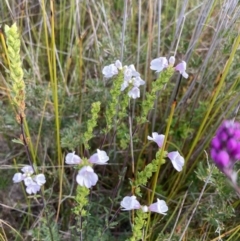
(113,104)
(42,233)
(157,86)
(139,223)
(91,124)
(82,201)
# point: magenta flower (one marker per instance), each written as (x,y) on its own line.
(182,69)
(86,177)
(176,159)
(159,207)
(130,203)
(99,158)
(32,182)
(72,159)
(159,139)
(225,147)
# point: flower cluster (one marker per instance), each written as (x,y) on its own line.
(159,64)
(130,203)
(176,159)
(225,146)
(132,78)
(86,176)
(32,182)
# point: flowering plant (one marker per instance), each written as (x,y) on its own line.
(175,157)
(130,203)
(32,182)
(225,148)
(131,78)
(159,64)
(86,176)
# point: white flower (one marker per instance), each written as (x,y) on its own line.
(109,71)
(86,177)
(134,93)
(71,158)
(130,72)
(130,203)
(159,64)
(28,181)
(118,64)
(40,179)
(159,207)
(32,183)
(159,139)
(182,69)
(18,177)
(32,188)
(27,170)
(137,81)
(176,159)
(99,158)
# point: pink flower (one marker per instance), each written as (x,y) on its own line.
(130,203)
(177,160)
(159,139)
(159,207)
(99,158)
(71,158)
(86,177)
(182,69)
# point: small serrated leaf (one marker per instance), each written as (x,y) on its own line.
(18,141)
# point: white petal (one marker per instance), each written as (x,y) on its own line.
(99,158)
(109,71)
(28,170)
(40,179)
(71,158)
(134,93)
(159,64)
(171,60)
(138,81)
(130,203)
(159,139)
(124,85)
(18,177)
(177,160)
(86,177)
(28,181)
(32,188)
(118,64)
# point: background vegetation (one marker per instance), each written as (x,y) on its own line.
(64,47)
